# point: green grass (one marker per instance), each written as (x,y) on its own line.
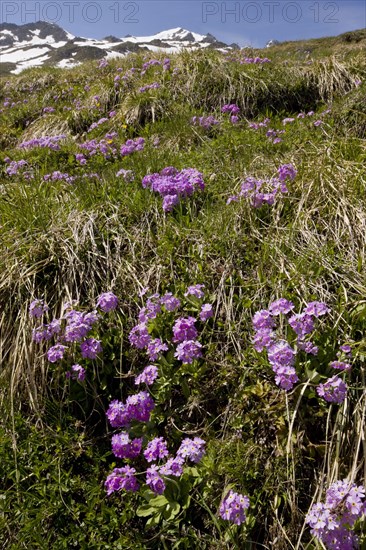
(73,241)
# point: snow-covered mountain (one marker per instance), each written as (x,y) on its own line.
(42,43)
(272,43)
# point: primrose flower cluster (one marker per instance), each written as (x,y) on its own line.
(332,523)
(233,110)
(273,134)
(184,332)
(135,72)
(282,355)
(261,191)
(131,146)
(153,86)
(233,507)
(59,176)
(165,64)
(18,167)
(138,407)
(242,58)
(72,331)
(106,146)
(127,175)
(101,121)
(206,122)
(334,390)
(155,451)
(173,185)
(46,142)
(257,125)
(67,178)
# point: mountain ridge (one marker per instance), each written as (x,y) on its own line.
(43,43)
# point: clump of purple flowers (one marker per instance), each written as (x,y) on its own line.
(139,336)
(77,373)
(184,329)
(16,166)
(206,122)
(56,353)
(154,480)
(255,60)
(230,108)
(124,447)
(195,290)
(173,185)
(78,325)
(332,522)
(194,449)
(137,407)
(155,348)
(271,134)
(340,365)
(151,310)
(73,327)
(105,146)
(261,191)
(153,86)
(206,312)
(287,120)
(334,390)
(188,350)
(170,302)
(241,58)
(90,348)
(79,157)
(172,467)
(98,123)
(50,142)
(148,375)
(59,176)
(287,172)
(122,478)
(185,333)
(107,301)
(151,63)
(131,146)
(37,308)
(280,354)
(103,63)
(157,448)
(233,507)
(257,125)
(127,175)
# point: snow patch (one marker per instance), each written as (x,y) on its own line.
(113,55)
(21,55)
(5,31)
(67,64)
(169,35)
(30,63)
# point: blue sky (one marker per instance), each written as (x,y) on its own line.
(247,22)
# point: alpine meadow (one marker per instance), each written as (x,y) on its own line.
(183,300)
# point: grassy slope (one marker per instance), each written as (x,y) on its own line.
(65,241)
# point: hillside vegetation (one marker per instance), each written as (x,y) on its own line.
(269,202)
